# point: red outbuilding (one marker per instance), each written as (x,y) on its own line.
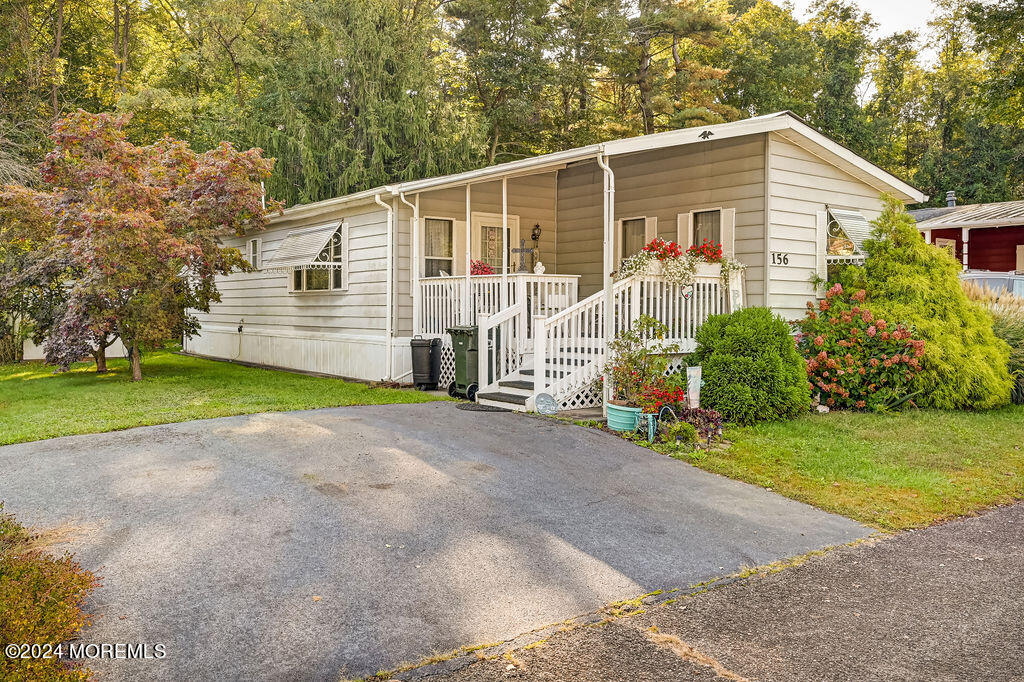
(981,236)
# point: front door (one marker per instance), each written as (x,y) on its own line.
(488,242)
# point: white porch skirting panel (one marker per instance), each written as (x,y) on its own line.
(343,355)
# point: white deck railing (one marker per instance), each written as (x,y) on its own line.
(443,301)
(502,344)
(570,346)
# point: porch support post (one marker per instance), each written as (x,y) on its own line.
(469,240)
(503,296)
(965,235)
(609,265)
(414,270)
(927,236)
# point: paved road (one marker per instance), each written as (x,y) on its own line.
(419,528)
(941,604)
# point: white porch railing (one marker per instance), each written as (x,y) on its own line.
(443,298)
(502,344)
(570,346)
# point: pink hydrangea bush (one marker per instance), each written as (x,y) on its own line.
(854,359)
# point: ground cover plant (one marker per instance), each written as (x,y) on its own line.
(35,403)
(41,599)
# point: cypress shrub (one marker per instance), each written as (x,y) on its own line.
(751,369)
(917,285)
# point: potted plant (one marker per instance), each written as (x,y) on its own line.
(709,258)
(638,359)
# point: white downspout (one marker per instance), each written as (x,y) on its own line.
(609,301)
(414,271)
(469,241)
(389,264)
(503,297)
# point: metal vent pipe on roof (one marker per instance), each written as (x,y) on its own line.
(951,198)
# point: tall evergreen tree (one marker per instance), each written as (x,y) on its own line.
(664,69)
(895,111)
(585,35)
(840,31)
(772,62)
(503,43)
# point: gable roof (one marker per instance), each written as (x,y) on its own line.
(998,214)
(786,123)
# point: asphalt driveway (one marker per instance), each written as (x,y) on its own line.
(308,545)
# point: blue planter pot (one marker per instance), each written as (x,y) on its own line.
(622,418)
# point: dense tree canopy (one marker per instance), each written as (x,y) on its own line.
(123,240)
(348,94)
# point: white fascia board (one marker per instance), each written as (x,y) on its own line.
(300,211)
(673,138)
(908,192)
(534,164)
(971,224)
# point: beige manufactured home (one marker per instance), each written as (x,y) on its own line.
(342,285)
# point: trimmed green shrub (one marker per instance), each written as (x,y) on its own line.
(751,369)
(912,283)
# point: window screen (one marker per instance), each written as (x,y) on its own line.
(707,226)
(437,248)
(634,234)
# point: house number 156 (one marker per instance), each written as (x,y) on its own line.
(780,258)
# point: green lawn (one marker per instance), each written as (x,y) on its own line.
(892,471)
(37,404)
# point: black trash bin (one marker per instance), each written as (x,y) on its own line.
(426,363)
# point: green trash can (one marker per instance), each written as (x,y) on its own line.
(464,344)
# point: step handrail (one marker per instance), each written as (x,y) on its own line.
(590,315)
(571,344)
(509,345)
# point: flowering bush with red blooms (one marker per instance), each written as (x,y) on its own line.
(709,252)
(479,267)
(854,359)
(653,397)
(662,249)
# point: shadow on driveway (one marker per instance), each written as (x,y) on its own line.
(305,545)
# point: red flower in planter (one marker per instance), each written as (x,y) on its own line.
(663,250)
(479,267)
(709,252)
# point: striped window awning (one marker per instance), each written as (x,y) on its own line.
(852,224)
(309,246)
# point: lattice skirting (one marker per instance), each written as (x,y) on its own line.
(447,363)
(590,395)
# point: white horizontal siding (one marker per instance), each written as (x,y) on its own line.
(319,332)
(800,185)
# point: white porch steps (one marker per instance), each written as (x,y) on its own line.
(516,389)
